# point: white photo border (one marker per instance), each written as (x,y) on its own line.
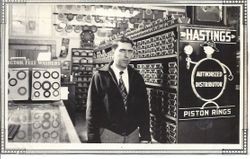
(67,148)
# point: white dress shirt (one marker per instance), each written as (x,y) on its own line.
(124,76)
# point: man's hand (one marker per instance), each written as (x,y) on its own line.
(145,142)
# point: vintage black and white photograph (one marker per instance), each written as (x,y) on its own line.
(123,77)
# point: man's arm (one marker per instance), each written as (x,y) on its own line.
(144,112)
(92,112)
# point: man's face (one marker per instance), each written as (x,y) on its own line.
(122,55)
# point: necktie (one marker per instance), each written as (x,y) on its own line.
(123,90)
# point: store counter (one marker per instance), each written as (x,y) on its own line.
(41,123)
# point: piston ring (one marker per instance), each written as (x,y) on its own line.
(11,82)
(21,72)
(55,74)
(46,74)
(46,135)
(37,74)
(37,85)
(55,85)
(54,134)
(22,89)
(56,93)
(46,87)
(46,115)
(36,125)
(46,94)
(36,94)
(21,134)
(36,135)
(46,124)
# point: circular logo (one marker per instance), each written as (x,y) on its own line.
(208,79)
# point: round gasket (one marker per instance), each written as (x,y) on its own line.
(54,134)
(37,115)
(46,85)
(21,75)
(21,134)
(37,94)
(56,93)
(55,85)
(36,135)
(46,124)
(37,85)
(55,74)
(46,74)
(46,135)
(46,115)
(37,74)
(12,82)
(55,124)
(46,94)
(36,125)
(22,90)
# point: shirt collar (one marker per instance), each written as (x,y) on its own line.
(117,71)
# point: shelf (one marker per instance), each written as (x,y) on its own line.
(82,87)
(153,84)
(155,58)
(171,118)
(101,61)
(173,87)
(155,32)
(82,75)
(82,81)
(82,63)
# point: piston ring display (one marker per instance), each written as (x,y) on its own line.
(37,85)
(46,74)
(46,94)
(46,85)
(55,85)
(55,74)
(37,74)
(12,82)
(22,90)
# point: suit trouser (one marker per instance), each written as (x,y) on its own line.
(108,136)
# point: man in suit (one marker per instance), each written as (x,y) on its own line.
(117,105)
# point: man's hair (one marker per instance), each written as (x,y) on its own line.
(123,39)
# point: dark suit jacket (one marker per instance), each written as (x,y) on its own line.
(105,108)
